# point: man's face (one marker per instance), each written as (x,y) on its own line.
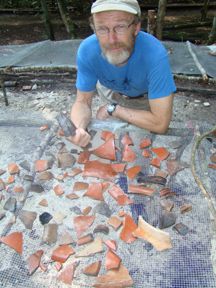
(117,49)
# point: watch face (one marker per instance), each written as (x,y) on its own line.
(110,108)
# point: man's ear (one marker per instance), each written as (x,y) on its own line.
(137,28)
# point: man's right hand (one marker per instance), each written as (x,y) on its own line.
(81,138)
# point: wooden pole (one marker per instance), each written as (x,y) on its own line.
(3,90)
(199,66)
(151,22)
(160,18)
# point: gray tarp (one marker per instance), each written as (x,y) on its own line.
(49,54)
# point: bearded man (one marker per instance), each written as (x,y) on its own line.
(129,68)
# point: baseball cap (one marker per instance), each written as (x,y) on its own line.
(130,6)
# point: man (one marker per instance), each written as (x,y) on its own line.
(124,64)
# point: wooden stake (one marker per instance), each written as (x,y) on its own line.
(3,90)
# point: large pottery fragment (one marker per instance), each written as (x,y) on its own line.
(129,226)
(115,278)
(50,233)
(82,223)
(159,239)
(34,261)
(27,217)
(67,275)
(92,248)
(98,169)
(107,149)
(93,269)
(13,240)
(62,253)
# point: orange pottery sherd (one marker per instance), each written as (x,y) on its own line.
(18,189)
(126,140)
(11,179)
(82,223)
(212,166)
(107,149)
(67,275)
(129,226)
(58,190)
(72,196)
(114,222)
(95,191)
(115,278)
(119,167)
(133,171)
(13,168)
(105,185)
(74,172)
(85,239)
(13,240)
(58,266)
(86,210)
(93,269)
(161,152)
(105,135)
(44,127)
(112,261)
(83,157)
(140,190)
(117,193)
(62,253)
(146,154)
(128,154)
(111,244)
(155,162)
(145,143)
(42,165)
(43,202)
(80,186)
(34,261)
(98,169)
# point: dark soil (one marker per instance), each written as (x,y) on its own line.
(21,28)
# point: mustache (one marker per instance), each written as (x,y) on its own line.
(115,45)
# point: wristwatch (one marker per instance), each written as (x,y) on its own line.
(111,108)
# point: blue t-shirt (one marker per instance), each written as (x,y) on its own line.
(147,70)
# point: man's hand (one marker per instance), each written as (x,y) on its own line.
(102,112)
(81,138)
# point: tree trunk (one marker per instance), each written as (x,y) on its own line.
(160,18)
(47,20)
(212,36)
(66,19)
(205,9)
(151,22)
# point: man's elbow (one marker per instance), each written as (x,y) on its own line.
(162,128)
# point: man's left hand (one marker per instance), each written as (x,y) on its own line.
(102,112)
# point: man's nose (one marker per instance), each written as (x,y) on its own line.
(112,36)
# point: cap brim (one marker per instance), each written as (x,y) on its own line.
(113,7)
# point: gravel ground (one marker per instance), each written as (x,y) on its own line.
(48,96)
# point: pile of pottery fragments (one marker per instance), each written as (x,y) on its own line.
(117,275)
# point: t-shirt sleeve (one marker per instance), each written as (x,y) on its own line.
(86,77)
(160,79)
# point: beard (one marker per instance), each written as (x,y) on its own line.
(121,56)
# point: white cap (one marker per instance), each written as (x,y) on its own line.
(130,6)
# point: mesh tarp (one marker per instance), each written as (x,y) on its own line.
(48,54)
(187,264)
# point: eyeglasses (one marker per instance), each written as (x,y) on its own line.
(119,30)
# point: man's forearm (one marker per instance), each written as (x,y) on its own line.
(81,114)
(156,120)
